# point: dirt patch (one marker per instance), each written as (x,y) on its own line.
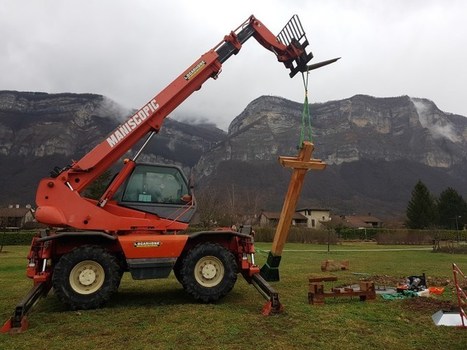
(439,281)
(428,304)
(422,304)
(385,280)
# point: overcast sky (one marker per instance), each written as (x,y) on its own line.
(130,50)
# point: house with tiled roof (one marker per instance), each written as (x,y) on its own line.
(355,221)
(15,217)
(271,219)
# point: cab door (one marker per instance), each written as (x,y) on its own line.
(158,189)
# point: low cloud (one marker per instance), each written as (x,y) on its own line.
(438,126)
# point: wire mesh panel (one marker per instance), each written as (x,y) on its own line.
(293,30)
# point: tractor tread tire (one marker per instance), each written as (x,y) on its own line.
(61,277)
(197,290)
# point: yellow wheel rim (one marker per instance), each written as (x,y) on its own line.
(87,277)
(209,271)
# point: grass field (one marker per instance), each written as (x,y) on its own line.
(157,314)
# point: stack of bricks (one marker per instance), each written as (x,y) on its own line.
(316,293)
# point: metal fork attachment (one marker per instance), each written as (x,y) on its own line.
(294,35)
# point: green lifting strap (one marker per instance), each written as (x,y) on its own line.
(305,130)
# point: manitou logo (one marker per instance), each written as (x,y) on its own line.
(147,244)
(132,123)
(195,70)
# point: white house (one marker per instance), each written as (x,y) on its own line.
(315,217)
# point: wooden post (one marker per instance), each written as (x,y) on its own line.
(300,165)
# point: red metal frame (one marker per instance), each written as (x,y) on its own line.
(461,296)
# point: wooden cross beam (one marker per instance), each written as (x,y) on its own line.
(300,165)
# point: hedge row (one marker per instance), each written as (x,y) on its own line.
(297,235)
(16,238)
(305,235)
(378,235)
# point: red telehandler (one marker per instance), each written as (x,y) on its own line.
(138,224)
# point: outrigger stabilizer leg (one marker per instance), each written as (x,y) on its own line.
(273,305)
(19,322)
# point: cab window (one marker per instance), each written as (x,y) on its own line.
(155,184)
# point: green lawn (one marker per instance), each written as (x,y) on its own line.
(157,314)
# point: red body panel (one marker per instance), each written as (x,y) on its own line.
(60,207)
(139,246)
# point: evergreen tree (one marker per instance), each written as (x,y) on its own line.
(452,209)
(421,210)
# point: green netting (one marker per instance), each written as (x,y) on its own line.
(305,130)
(405,294)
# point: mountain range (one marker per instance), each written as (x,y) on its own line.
(376,149)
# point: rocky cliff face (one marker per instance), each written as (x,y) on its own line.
(266,129)
(39,131)
(361,127)
(38,124)
(389,129)
(376,150)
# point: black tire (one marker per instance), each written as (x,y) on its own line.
(86,277)
(176,269)
(209,272)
